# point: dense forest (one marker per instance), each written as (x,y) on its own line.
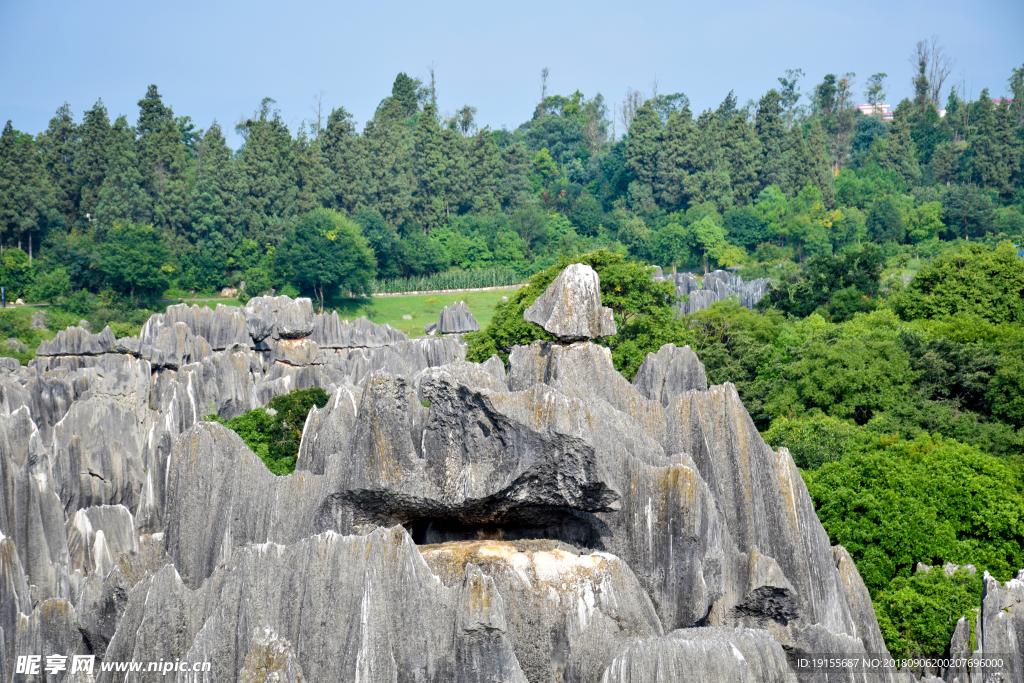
(123,209)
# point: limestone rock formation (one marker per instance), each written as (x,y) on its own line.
(717,285)
(533,521)
(456,319)
(570,308)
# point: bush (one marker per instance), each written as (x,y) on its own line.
(895,502)
(813,440)
(918,613)
(275,438)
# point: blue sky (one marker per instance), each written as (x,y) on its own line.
(218,61)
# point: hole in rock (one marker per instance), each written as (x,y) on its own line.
(580,529)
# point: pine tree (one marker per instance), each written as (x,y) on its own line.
(91,159)
(946,163)
(388,162)
(345,155)
(995,148)
(215,209)
(122,198)
(162,162)
(742,152)
(674,161)
(514,177)
(898,153)
(58,145)
(404,93)
(484,168)
(267,167)
(431,168)
(795,173)
(772,135)
(709,179)
(25,191)
(458,186)
(643,144)
(818,164)
(312,174)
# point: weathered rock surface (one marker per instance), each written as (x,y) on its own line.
(703,655)
(567,614)
(221,327)
(570,308)
(581,527)
(13,345)
(75,341)
(38,321)
(717,285)
(364,608)
(456,319)
(670,372)
(330,332)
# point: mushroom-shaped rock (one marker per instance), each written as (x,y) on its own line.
(570,308)
(456,319)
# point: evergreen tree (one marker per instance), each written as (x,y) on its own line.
(742,152)
(91,159)
(796,173)
(267,166)
(675,161)
(818,164)
(898,152)
(431,171)
(709,180)
(388,162)
(345,156)
(458,185)
(25,191)
(404,93)
(514,184)
(122,197)
(643,145)
(772,135)
(161,158)
(945,163)
(58,145)
(215,210)
(995,148)
(312,174)
(484,168)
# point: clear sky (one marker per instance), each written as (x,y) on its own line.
(218,60)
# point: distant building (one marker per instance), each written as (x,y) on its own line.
(875,110)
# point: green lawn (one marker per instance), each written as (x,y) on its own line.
(390,309)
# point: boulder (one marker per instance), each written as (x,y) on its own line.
(38,321)
(13,345)
(570,308)
(456,319)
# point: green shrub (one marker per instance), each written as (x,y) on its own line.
(894,502)
(918,613)
(275,437)
(813,440)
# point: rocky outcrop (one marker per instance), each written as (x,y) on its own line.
(570,308)
(456,319)
(221,327)
(718,285)
(75,341)
(330,332)
(669,373)
(538,520)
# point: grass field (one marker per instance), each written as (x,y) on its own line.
(390,309)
